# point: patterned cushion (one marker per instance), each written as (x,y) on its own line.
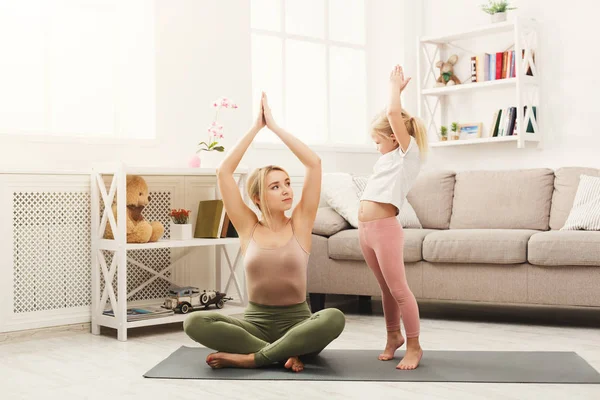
(585,214)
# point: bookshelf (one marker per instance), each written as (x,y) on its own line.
(523,88)
(105,273)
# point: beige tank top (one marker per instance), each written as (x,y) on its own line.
(276,276)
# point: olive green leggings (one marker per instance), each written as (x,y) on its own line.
(271,333)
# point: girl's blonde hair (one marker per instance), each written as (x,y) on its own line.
(256,188)
(415,127)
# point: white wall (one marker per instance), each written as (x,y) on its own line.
(568,106)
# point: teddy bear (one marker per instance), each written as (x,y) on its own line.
(447,77)
(138,229)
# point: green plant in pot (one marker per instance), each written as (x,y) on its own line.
(497,10)
(454,129)
(444,133)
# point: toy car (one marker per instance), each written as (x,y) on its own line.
(189,298)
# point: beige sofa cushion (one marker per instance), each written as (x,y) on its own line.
(431,198)
(514,199)
(565,187)
(564,248)
(328,222)
(345,245)
(484,246)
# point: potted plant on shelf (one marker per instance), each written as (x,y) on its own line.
(454,129)
(181,229)
(497,10)
(444,133)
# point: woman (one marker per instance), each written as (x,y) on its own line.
(277,324)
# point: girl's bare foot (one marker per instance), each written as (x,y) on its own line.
(294,364)
(395,340)
(225,360)
(413,355)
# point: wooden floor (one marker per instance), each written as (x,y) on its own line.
(71,363)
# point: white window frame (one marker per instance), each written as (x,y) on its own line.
(281,34)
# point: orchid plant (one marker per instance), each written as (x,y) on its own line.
(215,130)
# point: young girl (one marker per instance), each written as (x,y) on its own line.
(277,324)
(399,138)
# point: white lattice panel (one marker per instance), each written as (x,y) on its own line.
(157,259)
(51,250)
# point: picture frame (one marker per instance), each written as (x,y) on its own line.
(470,131)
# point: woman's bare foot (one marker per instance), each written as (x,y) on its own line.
(395,340)
(413,355)
(224,360)
(294,364)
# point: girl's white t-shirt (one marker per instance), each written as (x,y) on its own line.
(394,175)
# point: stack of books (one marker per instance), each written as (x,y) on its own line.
(140,313)
(504,122)
(494,66)
(213,221)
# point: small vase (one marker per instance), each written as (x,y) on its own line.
(498,17)
(194,162)
(181,231)
(211,159)
(454,137)
(444,138)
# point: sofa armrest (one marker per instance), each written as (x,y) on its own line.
(328,222)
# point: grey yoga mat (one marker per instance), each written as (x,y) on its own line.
(362,365)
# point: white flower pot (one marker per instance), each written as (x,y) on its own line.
(181,231)
(498,17)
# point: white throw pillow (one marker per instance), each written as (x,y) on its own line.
(585,213)
(342,192)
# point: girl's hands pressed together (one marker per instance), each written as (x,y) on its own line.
(270,121)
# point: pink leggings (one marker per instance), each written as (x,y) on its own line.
(382,244)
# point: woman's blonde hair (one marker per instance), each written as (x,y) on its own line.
(415,127)
(256,188)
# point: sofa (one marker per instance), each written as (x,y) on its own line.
(486,237)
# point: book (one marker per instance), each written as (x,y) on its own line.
(473,69)
(499,65)
(228,230)
(512,65)
(497,124)
(493,124)
(231,231)
(210,219)
(483,67)
(140,313)
(501,123)
(512,113)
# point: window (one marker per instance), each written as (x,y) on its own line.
(77,68)
(309,57)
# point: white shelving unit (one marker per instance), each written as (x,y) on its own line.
(104,273)
(433,101)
